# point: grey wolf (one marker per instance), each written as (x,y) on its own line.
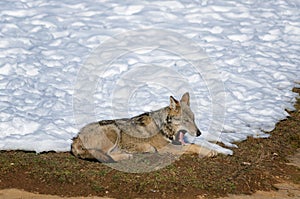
(159,131)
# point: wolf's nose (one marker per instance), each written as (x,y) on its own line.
(198,132)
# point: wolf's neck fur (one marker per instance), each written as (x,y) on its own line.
(160,116)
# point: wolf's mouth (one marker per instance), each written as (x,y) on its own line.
(179,138)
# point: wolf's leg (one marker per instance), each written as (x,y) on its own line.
(100,156)
(119,155)
(202,151)
(144,148)
(173,149)
(188,149)
(91,154)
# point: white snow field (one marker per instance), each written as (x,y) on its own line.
(243,89)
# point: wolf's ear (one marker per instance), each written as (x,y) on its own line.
(174,104)
(185,98)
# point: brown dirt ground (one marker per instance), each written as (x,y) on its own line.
(257,165)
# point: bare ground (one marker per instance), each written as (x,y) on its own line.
(258,165)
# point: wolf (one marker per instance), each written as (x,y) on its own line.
(159,131)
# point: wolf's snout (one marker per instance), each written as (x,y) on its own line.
(198,132)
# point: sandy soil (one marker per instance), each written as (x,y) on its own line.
(20,194)
(286,191)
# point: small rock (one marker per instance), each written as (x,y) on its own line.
(246,163)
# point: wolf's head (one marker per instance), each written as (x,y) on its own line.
(180,119)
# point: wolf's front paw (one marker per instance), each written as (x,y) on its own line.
(212,154)
(204,152)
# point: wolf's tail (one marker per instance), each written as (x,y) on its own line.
(78,150)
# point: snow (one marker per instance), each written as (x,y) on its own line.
(238,60)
